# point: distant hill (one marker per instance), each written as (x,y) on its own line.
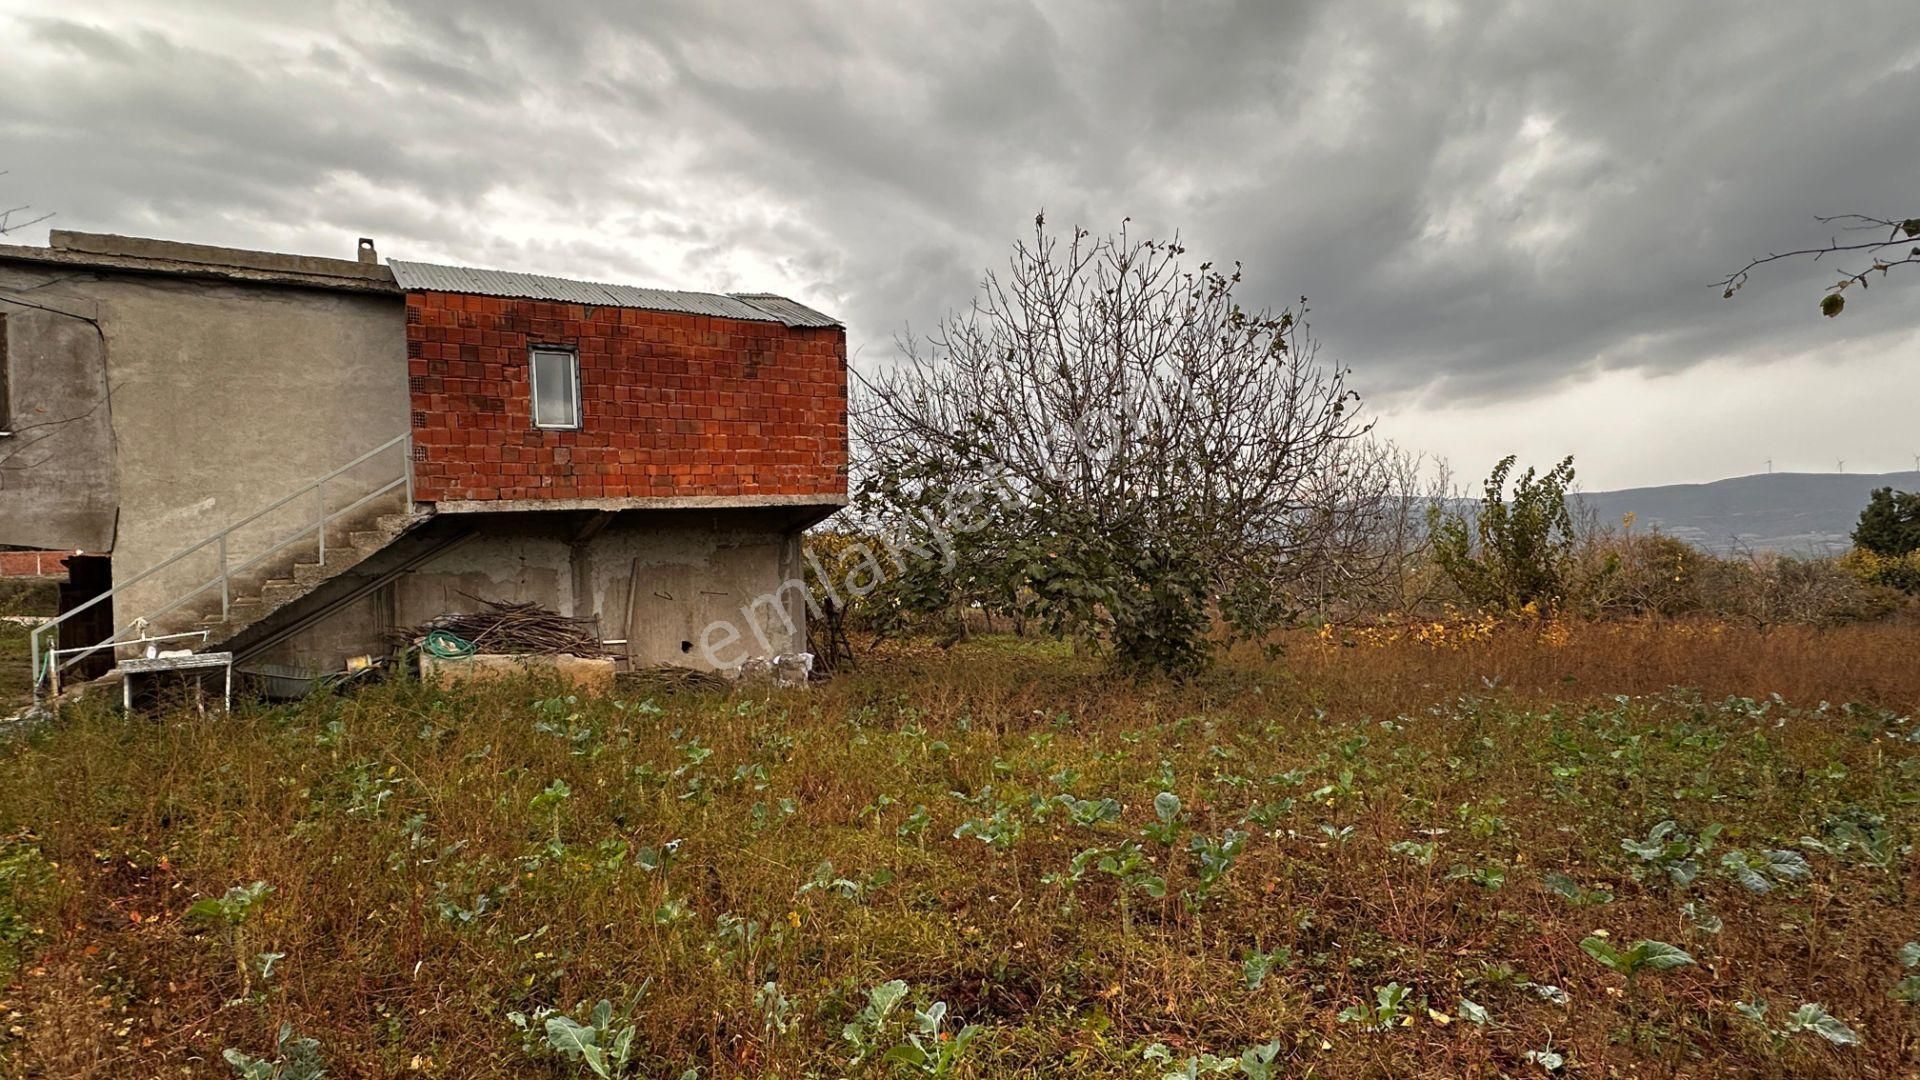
(1786,512)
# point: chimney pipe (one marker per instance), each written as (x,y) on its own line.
(367,254)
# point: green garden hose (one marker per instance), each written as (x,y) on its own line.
(446,646)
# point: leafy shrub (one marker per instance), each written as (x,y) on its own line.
(1890,524)
(1897,572)
(1512,553)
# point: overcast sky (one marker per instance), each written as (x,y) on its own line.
(1508,217)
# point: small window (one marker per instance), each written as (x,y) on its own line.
(556,388)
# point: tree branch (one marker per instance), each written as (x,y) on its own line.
(1899,233)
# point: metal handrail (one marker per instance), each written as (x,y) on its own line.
(218,541)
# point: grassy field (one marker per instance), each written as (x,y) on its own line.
(20,597)
(1387,854)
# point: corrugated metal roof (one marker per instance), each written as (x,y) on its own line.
(758,307)
(787,311)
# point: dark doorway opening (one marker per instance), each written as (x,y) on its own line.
(88,576)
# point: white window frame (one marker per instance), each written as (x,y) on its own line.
(534,356)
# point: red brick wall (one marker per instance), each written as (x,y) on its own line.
(670,404)
(33,563)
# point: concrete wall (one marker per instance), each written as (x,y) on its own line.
(225,396)
(57,481)
(699,589)
(230,397)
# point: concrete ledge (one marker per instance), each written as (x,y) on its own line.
(319,274)
(651,502)
(592,675)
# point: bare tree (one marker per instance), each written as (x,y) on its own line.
(1375,559)
(1883,235)
(1161,459)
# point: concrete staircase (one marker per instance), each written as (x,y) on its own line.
(286,579)
(246,588)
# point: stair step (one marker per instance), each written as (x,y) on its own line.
(304,574)
(340,559)
(282,590)
(240,611)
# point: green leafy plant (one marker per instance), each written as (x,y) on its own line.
(1762,870)
(1128,863)
(1421,852)
(672,911)
(1907,990)
(600,1045)
(1165,827)
(234,907)
(1192,1067)
(1255,965)
(824,880)
(929,1050)
(1487,877)
(1257,1062)
(293,1059)
(1866,841)
(999,828)
(1213,858)
(1547,1058)
(915,823)
(549,801)
(1572,891)
(1702,917)
(1268,815)
(1670,852)
(231,912)
(777,1014)
(1809,1017)
(1642,956)
(1090,813)
(1389,1008)
(865,1032)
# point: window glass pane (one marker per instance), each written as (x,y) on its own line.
(554,404)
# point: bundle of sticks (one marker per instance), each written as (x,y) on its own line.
(501,627)
(669,678)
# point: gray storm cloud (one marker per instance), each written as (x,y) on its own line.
(1483,201)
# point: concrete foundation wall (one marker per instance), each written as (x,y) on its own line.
(700,589)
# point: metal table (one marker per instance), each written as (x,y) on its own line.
(151,665)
